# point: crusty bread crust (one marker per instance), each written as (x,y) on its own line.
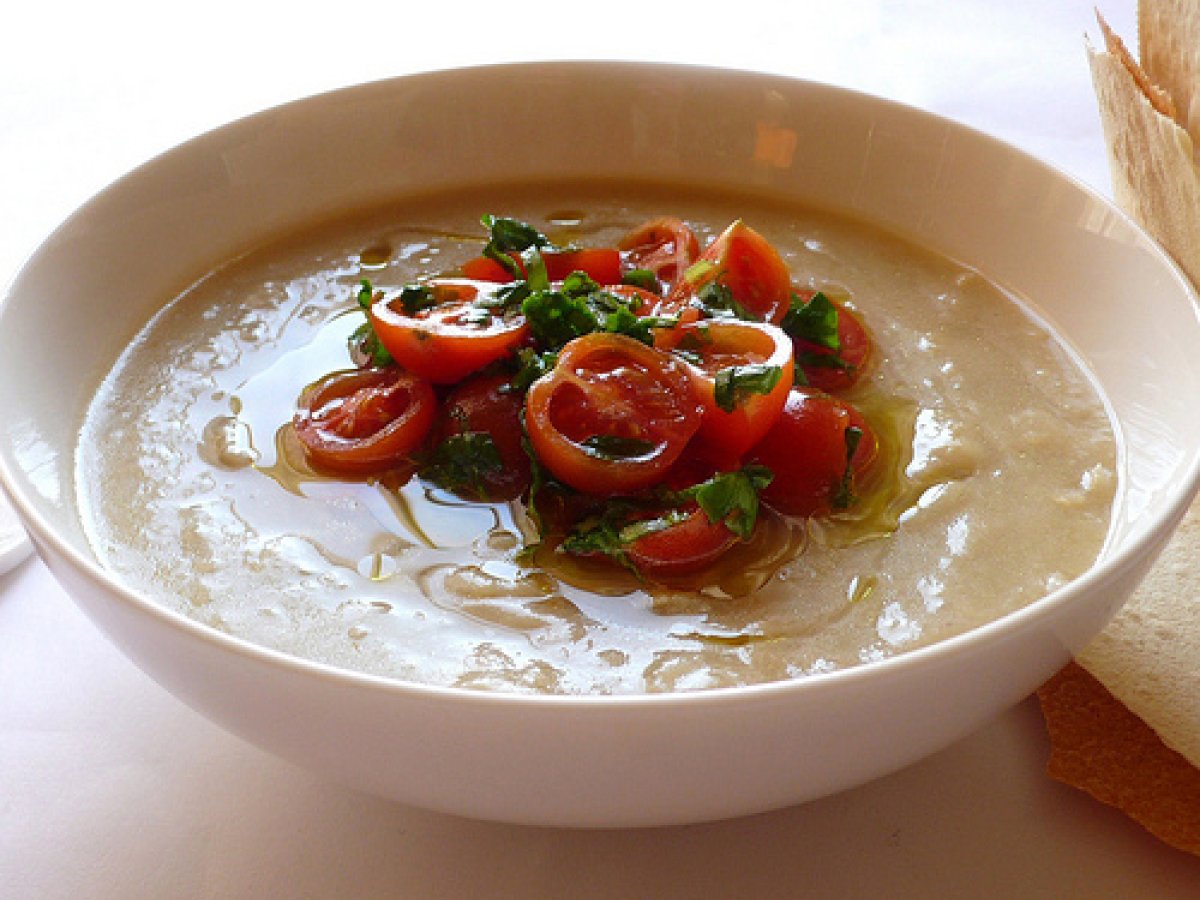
(1149,655)
(1154,174)
(1169,47)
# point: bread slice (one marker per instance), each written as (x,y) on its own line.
(1099,746)
(1125,722)
(1151,156)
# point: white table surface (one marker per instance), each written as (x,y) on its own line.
(110,788)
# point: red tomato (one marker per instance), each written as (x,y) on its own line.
(612,416)
(806,450)
(721,346)
(481,405)
(601,264)
(854,352)
(365,420)
(742,260)
(449,341)
(681,548)
(665,246)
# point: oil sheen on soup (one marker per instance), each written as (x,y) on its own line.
(1000,480)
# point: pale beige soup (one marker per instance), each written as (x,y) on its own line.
(1002,474)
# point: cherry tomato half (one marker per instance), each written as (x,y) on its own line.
(834,371)
(612,415)
(665,246)
(446,342)
(482,405)
(744,261)
(364,421)
(682,548)
(729,361)
(601,264)
(806,450)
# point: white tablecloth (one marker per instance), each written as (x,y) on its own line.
(110,788)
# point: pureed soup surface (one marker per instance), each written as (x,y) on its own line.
(998,451)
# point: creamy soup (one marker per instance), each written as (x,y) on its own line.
(999,458)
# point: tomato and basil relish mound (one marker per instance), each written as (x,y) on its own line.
(642,400)
(588,447)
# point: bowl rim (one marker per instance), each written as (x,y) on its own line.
(1158,526)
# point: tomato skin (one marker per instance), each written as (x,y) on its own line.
(613,386)
(806,452)
(481,268)
(683,548)
(436,343)
(744,261)
(721,343)
(482,404)
(364,421)
(601,264)
(856,350)
(665,246)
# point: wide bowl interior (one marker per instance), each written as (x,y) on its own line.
(603,761)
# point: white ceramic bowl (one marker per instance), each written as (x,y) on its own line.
(602,761)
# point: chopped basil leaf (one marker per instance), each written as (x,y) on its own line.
(556,317)
(815,321)
(845,496)
(716,301)
(735,382)
(462,462)
(641,278)
(536,275)
(506,297)
(364,340)
(580,307)
(416,297)
(614,446)
(510,236)
(598,535)
(731,497)
(365,295)
(533,365)
(620,525)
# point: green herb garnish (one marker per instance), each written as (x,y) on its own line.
(532,366)
(844,497)
(731,497)
(614,446)
(463,462)
(733,383)
(364,337)
(716,301)
(507,236)
(581,307)
(815,321)
(641,278)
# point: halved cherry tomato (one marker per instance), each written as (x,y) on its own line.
(364,420)
(601,264)
(665,246)
(729,350)
(744,261)
(807,452)
(612,415)
(449,341)
(481,404)
(834,371)
(682,548)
